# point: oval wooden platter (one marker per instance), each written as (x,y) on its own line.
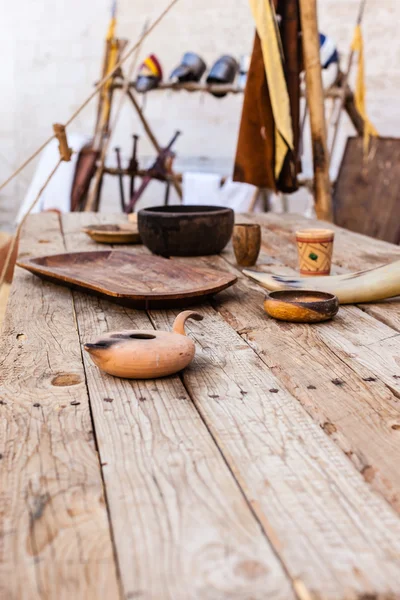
(121,233)
(138,281)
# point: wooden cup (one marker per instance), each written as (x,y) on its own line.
(315,248)
(246,241)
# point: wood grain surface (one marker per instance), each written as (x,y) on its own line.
(366,197)
(55,539)
(305,493)
(267,469)
(182,528)
(349,361)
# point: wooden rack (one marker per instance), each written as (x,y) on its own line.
(334,92)
(177,176)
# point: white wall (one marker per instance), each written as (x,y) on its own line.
(52,52)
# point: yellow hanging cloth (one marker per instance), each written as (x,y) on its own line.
(358,46)
(266,28)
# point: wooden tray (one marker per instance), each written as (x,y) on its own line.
(132,280)
(121,233)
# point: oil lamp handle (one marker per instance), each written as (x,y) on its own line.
(179,323)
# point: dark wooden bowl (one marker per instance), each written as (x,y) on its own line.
(301,306)
(185,230)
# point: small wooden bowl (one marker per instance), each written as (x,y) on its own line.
(121,233)
(301,306)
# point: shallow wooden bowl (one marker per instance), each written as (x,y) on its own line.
(121,233)
(301,306)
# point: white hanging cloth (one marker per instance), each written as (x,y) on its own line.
(201,188)
(57,195)
(205,189)
(242,197)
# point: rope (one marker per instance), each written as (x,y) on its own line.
(361,10)
(121,62)
(94,93)
(28,160)
(16,236)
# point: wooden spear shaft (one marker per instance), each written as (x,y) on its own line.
(316,105)
(344,80)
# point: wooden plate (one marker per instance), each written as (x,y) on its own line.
(132,280)
(121,233)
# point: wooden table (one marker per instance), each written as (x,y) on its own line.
(269,469)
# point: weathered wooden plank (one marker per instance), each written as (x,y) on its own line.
(361,340)
(352,405)
(363,423)
(370,341)
(351,378)
(352,252)
(330,529)
(182,527)
(54,533)
(367,192)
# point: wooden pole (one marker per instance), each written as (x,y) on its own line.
(344,80)
(315,100)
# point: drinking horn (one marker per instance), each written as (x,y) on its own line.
(352,288)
